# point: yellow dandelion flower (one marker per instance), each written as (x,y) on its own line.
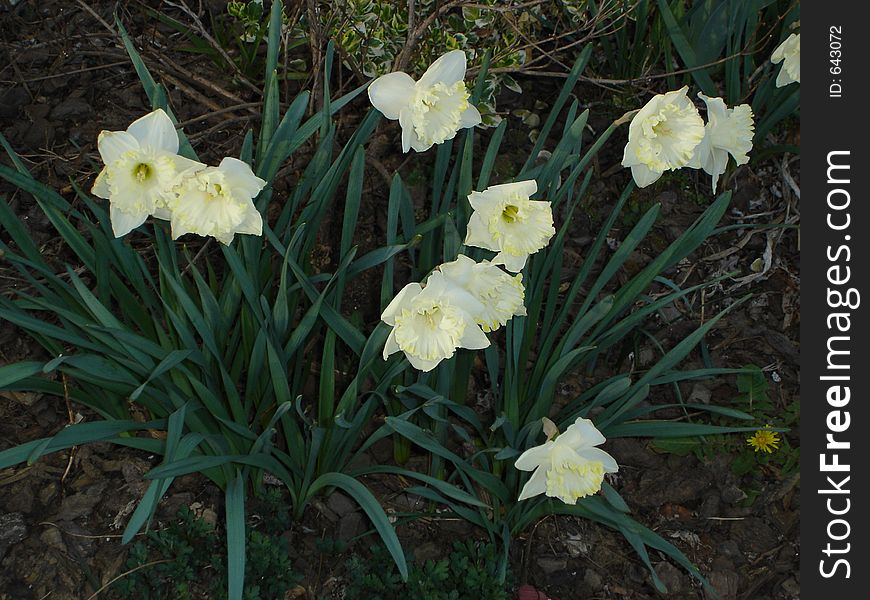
(764,440)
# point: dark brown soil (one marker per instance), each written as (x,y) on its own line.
(64,77)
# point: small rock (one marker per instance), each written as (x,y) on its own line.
(81,504)
(593,580)
(637,573)
(340,504)
(53,538)
(671,576)
(70,109)
(700,394)
(576,545)
(732,494)
(48,492)
(427,551)
(11,100)
(13,529)
(791,587)
(731,549)
(725,583)
(551,564)
(710,506)
(350,526)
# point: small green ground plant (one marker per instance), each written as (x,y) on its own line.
(184,561)
(470,572)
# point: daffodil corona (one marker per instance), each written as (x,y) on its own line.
(142,170)
(662,136)
(218,201)
(506,221)
(789,54)
(501,295)
(430,110)
(567,466)
(728,131)
(429,323)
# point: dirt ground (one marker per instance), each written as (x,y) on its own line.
(64,77)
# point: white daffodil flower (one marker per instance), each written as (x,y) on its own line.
(506,221)
(567,466)
(728,131)
(500,294)
(430,110)
(662,136)
(790,52)
(430,323)
(142,168)
(218,201)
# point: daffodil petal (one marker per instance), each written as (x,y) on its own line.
(474,338)
(447,69)
(405,295)
(470,117)
(644,176)
(101,185)
(156,131)
(582,432)
(512,262)
(391,93)
(112,144)
(391,346)
(124,222)
(533,457)
(599,455)
(535,486)
(422,364)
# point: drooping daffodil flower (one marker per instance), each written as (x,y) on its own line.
(218,201)
(789,54)
(506,221)
(567,466)
(430,110)
(142,167)
(728,131)
(500,294)
(662,136)
(429,323)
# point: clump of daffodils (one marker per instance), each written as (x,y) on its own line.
(789,54)
(145,176)
(728,131)
(662,136)
(506,221)
(463,300)
(567,466)
(431,110)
